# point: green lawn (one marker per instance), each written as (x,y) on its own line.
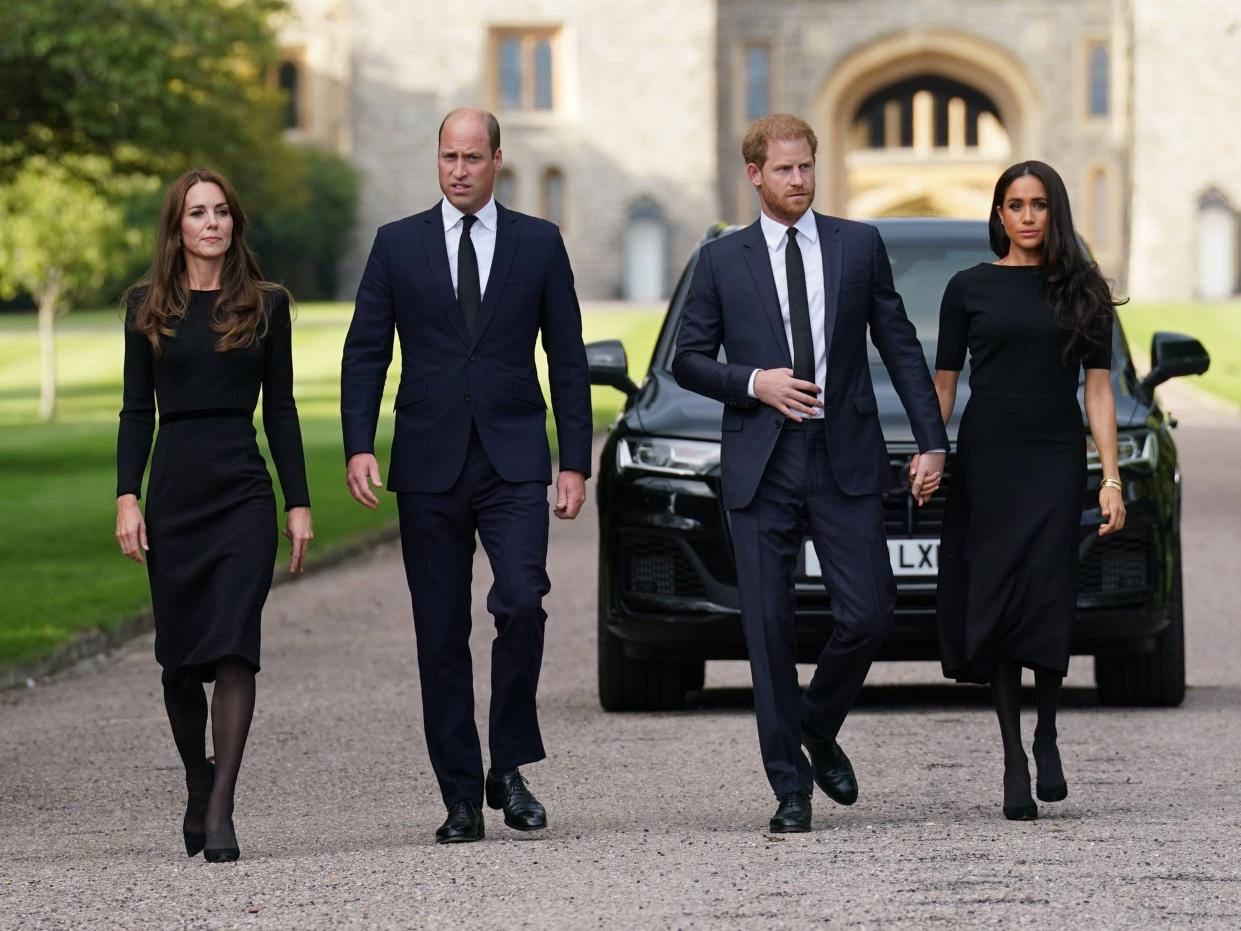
(60,570)
(1216,326)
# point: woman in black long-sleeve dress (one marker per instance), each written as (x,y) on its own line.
(203,334)
(1008,558)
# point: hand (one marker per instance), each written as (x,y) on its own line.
(925,472)
(298,529)
(361,468)
(792,397)
(1112,504)
(570,494)
(131,529)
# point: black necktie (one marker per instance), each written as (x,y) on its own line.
(799,310)
(469,294)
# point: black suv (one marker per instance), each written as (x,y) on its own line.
(667,585)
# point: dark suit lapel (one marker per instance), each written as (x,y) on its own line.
(754,248)
(830,246)
(437,262)
(501,263)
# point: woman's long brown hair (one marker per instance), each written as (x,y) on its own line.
(162,295)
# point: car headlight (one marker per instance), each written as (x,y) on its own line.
(667,456)
(1136,449)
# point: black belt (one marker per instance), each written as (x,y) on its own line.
(174,416)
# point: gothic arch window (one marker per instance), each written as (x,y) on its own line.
(757,81)
(506,187)
(646,251)
(552,196)
(1219,252)
(1098,212)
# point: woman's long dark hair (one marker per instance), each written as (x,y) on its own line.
(239,317)
(1076,292)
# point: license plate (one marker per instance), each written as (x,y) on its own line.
(908,557)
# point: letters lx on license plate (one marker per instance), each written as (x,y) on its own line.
(908,557)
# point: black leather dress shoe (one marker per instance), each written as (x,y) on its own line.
(522,811)
(833,773)
(793,815)
(463,824)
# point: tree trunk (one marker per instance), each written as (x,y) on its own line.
(48,298)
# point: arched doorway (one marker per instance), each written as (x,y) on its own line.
(922,123)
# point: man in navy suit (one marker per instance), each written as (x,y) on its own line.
(791,299)
(469,286)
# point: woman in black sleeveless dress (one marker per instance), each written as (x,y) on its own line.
(1008,558)
(203,334)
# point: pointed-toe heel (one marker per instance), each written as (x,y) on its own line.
(196,841)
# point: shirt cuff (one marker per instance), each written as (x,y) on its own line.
(928,451)
(749,388)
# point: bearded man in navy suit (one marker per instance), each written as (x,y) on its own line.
(791,299)
(468,286)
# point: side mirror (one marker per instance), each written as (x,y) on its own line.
(1173,355)
(610,366)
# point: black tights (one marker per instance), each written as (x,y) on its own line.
(1006,691)
(232,708)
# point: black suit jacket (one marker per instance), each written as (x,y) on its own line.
(450,380)
(732,302)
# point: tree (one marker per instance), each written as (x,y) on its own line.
(154,85)
(62,233)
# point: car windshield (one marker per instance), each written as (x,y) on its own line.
(920,271)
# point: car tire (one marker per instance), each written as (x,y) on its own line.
(1155,679)
(628,684)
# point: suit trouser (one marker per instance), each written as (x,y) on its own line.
(797,494)
(437,544)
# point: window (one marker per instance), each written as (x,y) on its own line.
(553,196)
(1098,210)
(1099,68)
(288,79)
(506,187)
(525,68)
(757,81)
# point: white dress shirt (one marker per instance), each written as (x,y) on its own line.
(776,235)
(483,235)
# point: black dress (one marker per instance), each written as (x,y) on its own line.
(1012,525)
(210,511)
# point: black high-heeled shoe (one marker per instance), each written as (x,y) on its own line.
(223,854)
(1047,757)
(195,841)
(1017,792)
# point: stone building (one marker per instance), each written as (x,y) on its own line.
(622,121)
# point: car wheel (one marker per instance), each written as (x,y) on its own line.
(627,684)
(1155,679)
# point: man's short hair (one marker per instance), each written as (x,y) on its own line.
(782,126)
(489,120)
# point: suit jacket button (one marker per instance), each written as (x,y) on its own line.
(473,357)
(467,397)
(777,421)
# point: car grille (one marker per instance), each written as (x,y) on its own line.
(1116,564)
(659,567)
(901,514)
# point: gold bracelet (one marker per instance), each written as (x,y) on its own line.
(1112,483)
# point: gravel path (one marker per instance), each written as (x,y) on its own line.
(656,819)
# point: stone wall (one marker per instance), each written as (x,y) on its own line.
(1186,138)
